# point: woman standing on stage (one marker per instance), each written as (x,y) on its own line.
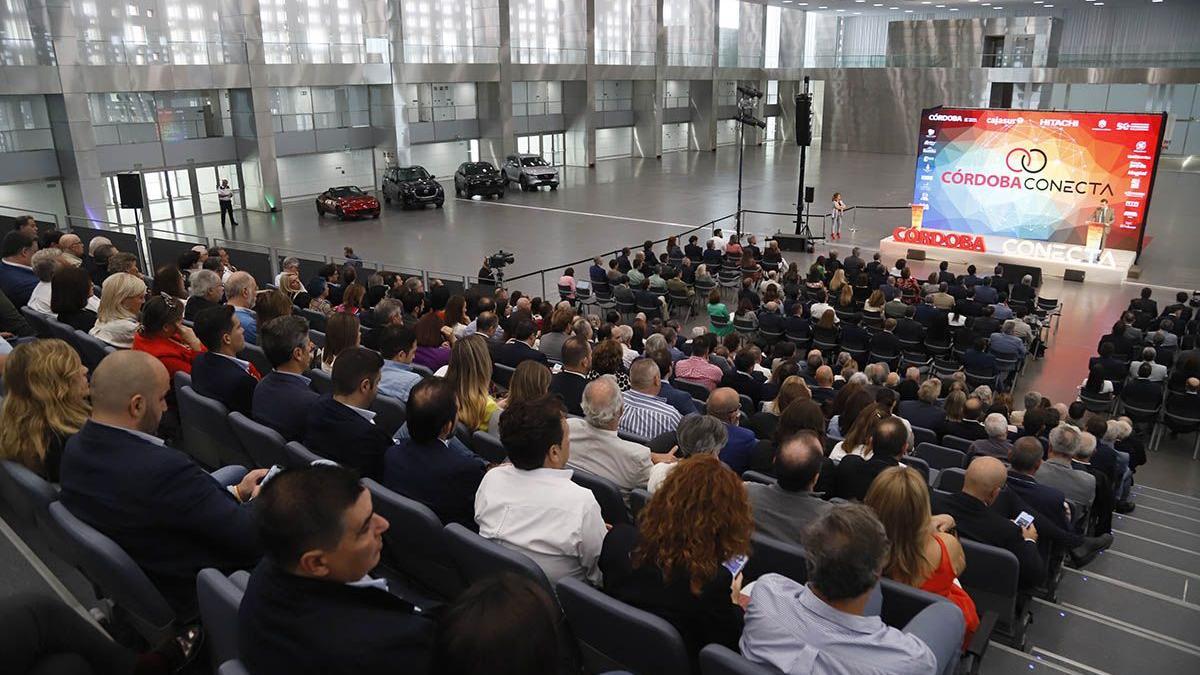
(838,207)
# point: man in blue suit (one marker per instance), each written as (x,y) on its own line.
(17,278)
(218,373)
(283,399)
(679,400)
(724,404)
(158,505)
(432,466)
(310,606)
(342,427)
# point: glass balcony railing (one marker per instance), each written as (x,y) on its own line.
(624,57)
(548,55)
(1142,60)
(419,114)
(126,133)
(319,53)
(613,104)
(22,140)
(26,52)
(537,108)
(120,52)
(415,53)
(676,101)
(323,120)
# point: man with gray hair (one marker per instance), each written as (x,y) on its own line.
(1104,502)
(72,247)
(241,291)
(821,628)
(205,293)
(595,446)
(996,444)
(1057,471)
(696,435)
(290,265)
(1158,372)
(645,413)
(624,335)
(45,263)
(783,510)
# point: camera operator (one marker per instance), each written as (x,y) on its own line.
(486,278)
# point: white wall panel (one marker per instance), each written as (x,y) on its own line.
(614,142)
(441,159)
(312,174)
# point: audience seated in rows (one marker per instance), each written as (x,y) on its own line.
(46,403)
(595,446)
(341,426)
(218,373)
(284,398)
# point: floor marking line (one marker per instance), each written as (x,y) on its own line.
(586,214)
(1046,652)
(1017,652)
(1167,501)
(1177,494)
(1135,588)
(1124,626)
(1123,533)
(1153,563)
(49,577)
(1151,522)
(1185,588)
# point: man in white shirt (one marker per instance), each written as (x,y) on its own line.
(225,199)
(44,263)
(718,240)
(531,505)
(597,449)
(646,414)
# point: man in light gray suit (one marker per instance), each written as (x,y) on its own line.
(785,509)
(1057,472)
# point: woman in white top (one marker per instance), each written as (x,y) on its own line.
(838,207)
(121,300)
(1095,384)
(860,432)
(696,435)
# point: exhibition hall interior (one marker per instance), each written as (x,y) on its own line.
(599,336)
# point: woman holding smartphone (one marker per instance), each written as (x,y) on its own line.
(838,207)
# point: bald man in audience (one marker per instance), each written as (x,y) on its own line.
(784,509)
(158,505)
(822,390)
(724,404)
(976,521)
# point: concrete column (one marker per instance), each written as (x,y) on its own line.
(256,145)
(702,99)
(578,96)
(386,20)
(648,97)
(785,126)
(53,22)
(497,135)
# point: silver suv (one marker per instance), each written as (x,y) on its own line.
(530,172)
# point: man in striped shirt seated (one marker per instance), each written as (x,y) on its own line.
(646,414)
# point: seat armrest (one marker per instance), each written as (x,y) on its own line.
(973,655)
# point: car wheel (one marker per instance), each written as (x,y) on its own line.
(524,184)
(438,204)
(375,216)
(341,214)
(553,188)
(458,192)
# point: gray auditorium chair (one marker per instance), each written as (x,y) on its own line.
(720,660)
(608,495)
(477,558)
(37,321)
(60,330)
(27,494)
(254,354)
(956,443)
(207,435)
(759,477)
(769,555)
(320,381)
(219,598)
(992,577)
(502,374)
(489,447)
(416,544)
(115,574)
(633,438)
(295,455)
(391,413)
(923,435)
(181,380)
(92,350)
(234,667)
(951,480)
(638,498)
(919,464)
(263,444)
(940,457)
(612,634)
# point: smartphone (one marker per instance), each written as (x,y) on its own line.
(1023,520)
(736,564)
(271,474)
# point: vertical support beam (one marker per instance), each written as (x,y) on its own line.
(256,149)
(385,20)
(579,125)
(53,22)
(497,134)
(785,126)
(648,96)
(702,99)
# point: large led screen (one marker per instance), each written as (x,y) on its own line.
(1034,174)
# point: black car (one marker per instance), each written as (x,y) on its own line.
(478,178)
(412,186)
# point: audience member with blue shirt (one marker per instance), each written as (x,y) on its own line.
(432,466)
(17,279)
(241,291)
(397,345)
(725,405)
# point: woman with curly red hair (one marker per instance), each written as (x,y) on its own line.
(673,564)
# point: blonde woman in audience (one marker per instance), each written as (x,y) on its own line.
(874,304)
(341,333)
(838,282)
(121,300)
(855,442)
(470,372)
(530,381)
(46,403)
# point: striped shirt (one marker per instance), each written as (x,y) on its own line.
(647,416)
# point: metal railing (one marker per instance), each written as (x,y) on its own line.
(613,104)
(319,53)
(415,53)
(624,57)
(117,52)
(548,55)
(42,216)
(537,108)
(308,121)
(695,59)
(440,113)
(20,140)
(509,282)
(27,52)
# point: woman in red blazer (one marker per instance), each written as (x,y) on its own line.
(163,335)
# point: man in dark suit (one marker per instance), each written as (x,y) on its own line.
(999,282)
(322,538)
(770,320)
(1024,291)
(1144,304)
(342,427)
(974,520)
(796,325)
(520,346)
(925,412)
(596,273)
(884,342)
(908,328)
(984,292)
(887,445)
(1114,369)
(1048,505)
(623,263)
(969,306)
(160,507)
(568,383)
(17,278)
(986,323)
(1186,404)
(977,359)
(1142,391)
(723,404)
(218,373)
(969,427)
(945,276)
(679,400)
(743,379)
(432,466)
(283,398)
(970,278)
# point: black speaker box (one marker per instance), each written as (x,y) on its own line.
(792,242)
(1073,275)
(129,189)
(810,193)
(803,119)
(915,254)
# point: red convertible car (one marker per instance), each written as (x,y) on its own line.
(347,201)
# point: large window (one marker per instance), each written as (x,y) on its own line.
(24,124)
(689,25)
(536,98)
(313,31)
(626,32)
(154,32)
(304,108)
(462,31)
(548,31)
